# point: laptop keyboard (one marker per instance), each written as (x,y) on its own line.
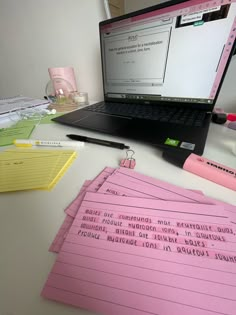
(181,116)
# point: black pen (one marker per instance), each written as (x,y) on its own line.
(99,141)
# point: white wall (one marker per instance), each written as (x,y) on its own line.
(132,5)
(35,35)
(227,96)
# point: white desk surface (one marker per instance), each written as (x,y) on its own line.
(29,220)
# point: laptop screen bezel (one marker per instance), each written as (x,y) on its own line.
(201,106)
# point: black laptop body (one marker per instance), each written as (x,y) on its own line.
(163,68)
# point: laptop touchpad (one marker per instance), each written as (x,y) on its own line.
(104,123)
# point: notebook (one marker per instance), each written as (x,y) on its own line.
(163,67)
(15,103)
(26,169)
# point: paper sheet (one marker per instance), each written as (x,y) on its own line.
(23,169)
(125,182)
(93,187)
(72,209)
(46,119)
(128,255)
(18,102)
(61,234)
(8,135)
(104,183)
(142,185)
(63,230)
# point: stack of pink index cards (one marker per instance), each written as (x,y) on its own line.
(131,244)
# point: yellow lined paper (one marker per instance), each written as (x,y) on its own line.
(23,169)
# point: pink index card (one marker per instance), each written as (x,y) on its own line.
(131,183)
(138,256)
(126,182)
(72,208)
(93,187)
(197,191)
(61,234)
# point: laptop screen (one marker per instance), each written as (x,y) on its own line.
(170,52)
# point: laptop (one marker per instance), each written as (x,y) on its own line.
(163,67)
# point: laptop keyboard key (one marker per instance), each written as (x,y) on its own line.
(151,112)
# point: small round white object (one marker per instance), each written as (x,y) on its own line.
(53,111)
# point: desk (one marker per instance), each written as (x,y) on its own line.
(29,220)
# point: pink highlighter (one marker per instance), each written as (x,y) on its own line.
(211,170)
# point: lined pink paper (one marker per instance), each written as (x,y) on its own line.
(73,206)
(123,177)
(93,186)
(61,235)
(125,182)
(64,228)
(71,210)
(145,256)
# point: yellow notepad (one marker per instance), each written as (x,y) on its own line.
(23,169)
